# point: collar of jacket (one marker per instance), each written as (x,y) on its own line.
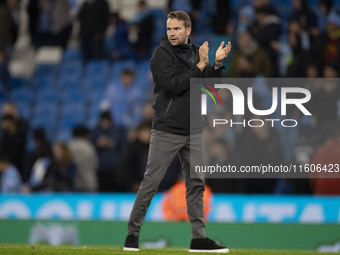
(181,49)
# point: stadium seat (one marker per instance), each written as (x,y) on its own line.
(46,110)
(45,123)
(95,95)
(69,82)
(97,68)
(43,82)
(46,70)
(72,69)
(71,122)
(74,96)
(95,83)
(119,66)
(72,55)
(48,95)
(22,96)
(24,109)
(63,135)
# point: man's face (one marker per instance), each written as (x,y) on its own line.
(127,79)
(244,41)
(177,33)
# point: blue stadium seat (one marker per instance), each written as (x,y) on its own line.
(22,95)
(72,114)
(92,121)
(72,55)
(95,83)
(144,84)
(45,110)
(95,95)
(45,123)
(18,82)
(24,109)
(46,70)
(119,66)
(69,82)
(72,69)
(74,96)
(93,114)
(63,135)
(43,82)
(73,106)
(68,121)
(48,95)
(97,68)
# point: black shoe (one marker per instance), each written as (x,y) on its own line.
(206,245)
(131,243)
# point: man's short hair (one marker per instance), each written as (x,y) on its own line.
(182,16)
(127,71)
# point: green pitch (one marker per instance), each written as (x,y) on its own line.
(12,249)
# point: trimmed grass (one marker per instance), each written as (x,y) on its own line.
(13,249)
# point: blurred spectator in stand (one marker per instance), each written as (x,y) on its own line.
(302,153)
(312,71)
(294,26)
(249,48)
(62,17)
(221,155)
(332,71)
(107,140)
(33,11)
(326,47)
(38,160)
(174,203)
(147,112)
(123,100)
(298,59)
(141,32)
(246,18)
(147,115)
(305,16)
(10,108)
(244,67)
(12,143)
(266,31)
(325,100)
(220,11)
(10,180)
(326,155)
(8,23)
(117,41)
(94,18)
(5,77)
(135,158)
(40,22)
(255,146)
(61,173)
(325,6)
(267,5)
(85,157)
(8,35)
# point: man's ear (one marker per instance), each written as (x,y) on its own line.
(188,31)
